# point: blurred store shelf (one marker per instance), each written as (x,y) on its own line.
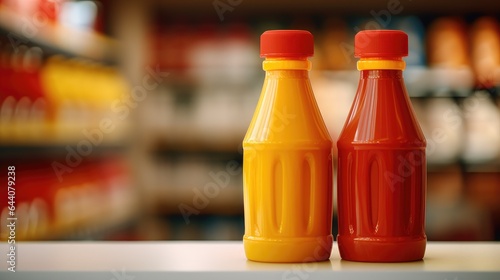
(65,89)
(45,137)
(55,38)
(58,82)
(54,199)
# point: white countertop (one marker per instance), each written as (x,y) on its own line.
(226,260)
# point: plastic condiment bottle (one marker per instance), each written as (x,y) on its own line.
(381,164)
(287,159)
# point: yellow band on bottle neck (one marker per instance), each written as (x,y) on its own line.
(381,64)
(286,64)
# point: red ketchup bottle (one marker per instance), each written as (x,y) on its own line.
(381,165)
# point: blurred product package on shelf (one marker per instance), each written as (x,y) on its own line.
(485,40)
(22,102)
(443,121)
(94,197)
(335,45)
(482,120)
(27,9)
(83,95)
(68,13)
(57,99)
(448,57)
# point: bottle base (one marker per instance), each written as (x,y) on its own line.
(381,249)
(288,250)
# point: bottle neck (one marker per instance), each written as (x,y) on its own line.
(381,63)
(302,64)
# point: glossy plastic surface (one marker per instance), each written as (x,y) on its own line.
(382,174)
(287,170)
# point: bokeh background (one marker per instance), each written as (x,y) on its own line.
(124,119)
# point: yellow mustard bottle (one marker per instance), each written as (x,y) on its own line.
(287,159)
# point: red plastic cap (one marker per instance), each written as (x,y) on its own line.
(381,43)
(286,43)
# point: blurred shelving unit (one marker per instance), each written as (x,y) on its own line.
(169,161)
(53,37)
(57,85)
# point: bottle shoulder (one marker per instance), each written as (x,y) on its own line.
(287,112)
(382,114)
